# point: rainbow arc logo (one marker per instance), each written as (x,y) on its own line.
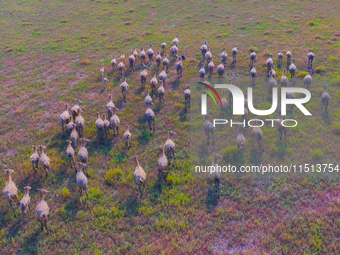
(207,85)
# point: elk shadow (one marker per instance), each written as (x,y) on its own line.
(172,61)
(5,216)
(33,180)
(325,118)
(281,149)
(128,72)
(131,206)
(14,229)
(142,120)
(154,95)
(138,67)
(255,156)
(59,177)
(175,84)
(30,244)
(158,68)
(59,140)
(211,200)
(310,69)
(71,208)
(103,90)
(199,65)
(239,159)
(183,114)
(157,109)
(120,103)
(253,83)
(156,190)
(139,90)
(144,137)
(224,113)
(103,146)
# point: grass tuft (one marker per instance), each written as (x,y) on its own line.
(21,48)
(336,128)
(317,154)
(85,62)
(112,175)
(26,24)
(318,37)
(252,48)
(335,81)
(320,70)
(230,154)
(301,74)
(333,58)
(65,192)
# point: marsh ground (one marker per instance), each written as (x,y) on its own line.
(51,52)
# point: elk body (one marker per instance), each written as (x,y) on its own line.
(115,121)
(139,175)
(83,154)
(24,202)
(10,191)
(34,159)
(42,210)
(208,129)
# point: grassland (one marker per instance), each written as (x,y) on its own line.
(51,52)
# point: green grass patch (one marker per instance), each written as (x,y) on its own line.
(230,154)
(37,33)
(301,74)
(333,58)
(85,62)
(311,23)
(336,128)
(21,48)
(335,82)
(112,176)
(318,37)
(317,154)
(65,193)
(320,69)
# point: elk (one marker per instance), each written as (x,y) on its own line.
(139,175)
(10,191)
(208,128)
(216,176)
(42,210)
(114,121)
(65,117)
